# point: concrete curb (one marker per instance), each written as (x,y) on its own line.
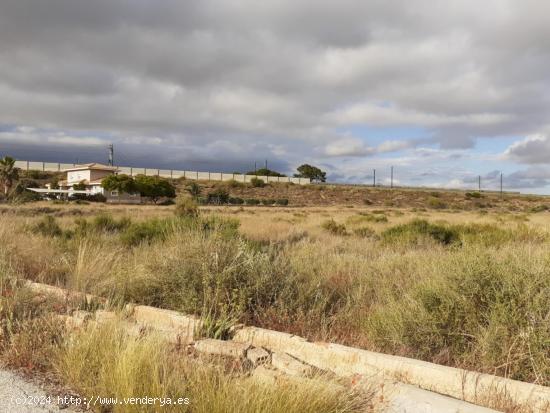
(346,361)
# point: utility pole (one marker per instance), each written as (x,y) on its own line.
(266,164)
(111,154)
(374,178)
(479,183)
(391,180)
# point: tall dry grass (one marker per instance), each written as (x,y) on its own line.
(106,362)
(460,289)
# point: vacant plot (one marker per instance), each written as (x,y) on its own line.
(460,288)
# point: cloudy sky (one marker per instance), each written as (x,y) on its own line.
(442,90)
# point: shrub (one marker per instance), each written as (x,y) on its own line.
(257,182)
(106,223)
(364,232)
(48,227)
(333,227)
(218,197)
(267,201)
(194,189)
(186,207)
(436,203)
(96,198)
(539,208)
(252,201)
(236,201)
(144,232)
(282,201)
(470,195)
(476,309)
(418,229)
(235,184)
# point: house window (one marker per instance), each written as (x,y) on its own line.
(114,193)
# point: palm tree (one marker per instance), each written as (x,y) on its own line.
(8,173)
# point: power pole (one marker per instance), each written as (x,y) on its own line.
(391,180)
(374,178)
(111,154)
(266,164)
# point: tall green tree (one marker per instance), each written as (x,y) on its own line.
(121,183)
(8,173)
(311,172)
(155,187)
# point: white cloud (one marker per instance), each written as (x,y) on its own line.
(533,149)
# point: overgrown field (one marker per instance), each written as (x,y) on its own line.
(464,289)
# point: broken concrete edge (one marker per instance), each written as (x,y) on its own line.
(341,360)
(63,293)
(286,369)
(347,361)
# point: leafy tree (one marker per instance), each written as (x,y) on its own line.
(81,186)
(265,172)
(155,187)
(120,183)
(8,173)
(311,172)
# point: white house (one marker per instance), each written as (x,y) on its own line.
(90,175)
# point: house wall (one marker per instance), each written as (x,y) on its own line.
(96,175)
(74,177)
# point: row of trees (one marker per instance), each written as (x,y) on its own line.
(153,187)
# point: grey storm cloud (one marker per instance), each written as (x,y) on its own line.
(250,79)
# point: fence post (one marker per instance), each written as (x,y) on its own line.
(197,175)
(158,172)
(43,166)
(58,167)
(145,171)
(209,176)
(27,166)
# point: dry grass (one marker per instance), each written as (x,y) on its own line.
(104,361)
(479,301)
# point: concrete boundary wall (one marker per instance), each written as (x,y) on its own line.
(469,386)
(165,173)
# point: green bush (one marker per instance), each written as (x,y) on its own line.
(236,201)
(436,203)
(48,227)
(476,309)
(539,208)
(218,197)
(257,182)
(252,201)
(470,195)
(282,201)
(333,227)
(418,229)
(268,202)
(106,223)
(144,232)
